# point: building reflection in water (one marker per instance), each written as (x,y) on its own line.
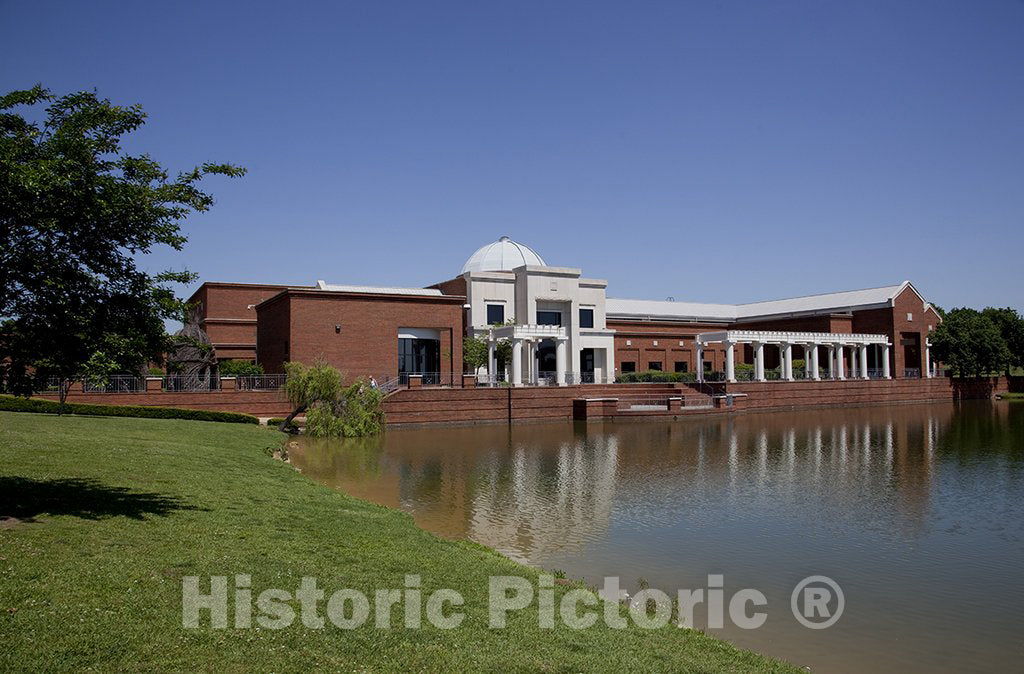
(906,506)
(535,490)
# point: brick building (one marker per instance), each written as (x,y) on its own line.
(562,328)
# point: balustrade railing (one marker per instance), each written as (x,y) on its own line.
(912,373)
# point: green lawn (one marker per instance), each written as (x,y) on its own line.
(114,512)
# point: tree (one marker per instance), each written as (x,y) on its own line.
(76,211)
(237,368)
(1011,326)
(969,343)
(308,386)
(331,409)
(474,353)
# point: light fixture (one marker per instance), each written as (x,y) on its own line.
(337,328)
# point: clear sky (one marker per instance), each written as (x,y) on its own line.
(710,151)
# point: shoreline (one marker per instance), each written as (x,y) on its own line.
(230,513)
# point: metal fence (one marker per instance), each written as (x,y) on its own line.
(260,382)
(434,379)
(118,383)
(180,383)
(496,379)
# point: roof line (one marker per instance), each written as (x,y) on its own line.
(834,292)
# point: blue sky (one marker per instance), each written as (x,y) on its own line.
(710,151)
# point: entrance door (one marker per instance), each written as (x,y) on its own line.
(587,366)
(547,360)
(911,342)
(419,356)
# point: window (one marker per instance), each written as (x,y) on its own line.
(495,314)
(419,356)
(628,366)
(682,366)
(910,317)
(654,365)
(549,317)
(586,318)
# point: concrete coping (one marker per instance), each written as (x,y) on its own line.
(599,400)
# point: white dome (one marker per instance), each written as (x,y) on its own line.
(502,255)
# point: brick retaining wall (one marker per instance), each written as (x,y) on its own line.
(495,405)
(256,403)
(792,394)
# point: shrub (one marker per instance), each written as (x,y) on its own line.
(43,406)
(236,368)
(156,371)
(654,376)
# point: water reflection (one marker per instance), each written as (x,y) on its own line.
(904,505)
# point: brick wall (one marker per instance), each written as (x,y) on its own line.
(795,394)
(227,314)
(496,405)
(635,341)
(256,403)
(354,332)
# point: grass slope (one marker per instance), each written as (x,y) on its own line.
(123,508)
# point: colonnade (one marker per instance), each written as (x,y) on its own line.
(837,345)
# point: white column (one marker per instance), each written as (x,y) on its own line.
(700,362)
(787,361)
(885,362)
(853,361)
(928,359)
(492,362)
(840,367)
(730,362)
(560,362)
(864,361)
(831,361)
(815,375)
(759,361)
(517,362)
(529,360)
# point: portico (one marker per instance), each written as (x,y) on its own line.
(526,341)
(836,346)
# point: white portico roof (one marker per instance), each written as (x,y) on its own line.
(698,311)
(502,255)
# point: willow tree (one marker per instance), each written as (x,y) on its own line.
(76,215)
(331,408)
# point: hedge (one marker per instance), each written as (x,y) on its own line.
(654,376)
(41,406)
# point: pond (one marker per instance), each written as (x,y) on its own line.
(916,511)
